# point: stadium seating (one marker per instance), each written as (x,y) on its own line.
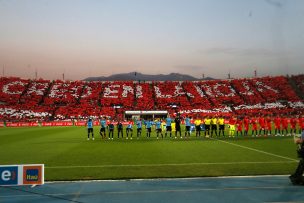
(299,82)
(27,100)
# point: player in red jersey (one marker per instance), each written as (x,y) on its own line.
(285,126)
(277,125)
(239,124)
(268,126)
(293,125)
(262,124)
(246,125)
(301,124)
(254,126)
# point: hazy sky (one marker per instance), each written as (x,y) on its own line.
(84,38)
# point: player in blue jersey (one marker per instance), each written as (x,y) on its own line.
(188,126)
(168,126)
(103,124)
(129,129)
(148,127)
(90,128)
(139,126)
(158,128)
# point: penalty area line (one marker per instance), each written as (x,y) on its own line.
(256,150)
(177,164)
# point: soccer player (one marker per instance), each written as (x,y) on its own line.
(103,124)
(207,122)
(268,122)
(168,125)
(139,126)
(221,122)
(177,127)
(254,126)
(90,128)
(213,126)
(262,125)
(301,124)
(239,124)
(277,125)
(284,126)
(119,129)
(158,128)
(188,126)
(293,125)
(232,123)
(129,129)
(148,127)
(197,123)
(246,125)
(111,130)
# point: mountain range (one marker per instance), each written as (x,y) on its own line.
(135,76)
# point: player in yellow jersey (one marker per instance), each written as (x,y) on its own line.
(207,122)
(213,125)
(197,123)
(221,122)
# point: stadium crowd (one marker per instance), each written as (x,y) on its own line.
(43,100)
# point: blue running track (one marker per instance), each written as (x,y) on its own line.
(188,190)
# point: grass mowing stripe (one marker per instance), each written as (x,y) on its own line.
(180,164)
(256,150)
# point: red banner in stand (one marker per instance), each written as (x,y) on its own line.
(1,124)
(57,123)
(21,124)
(80,123)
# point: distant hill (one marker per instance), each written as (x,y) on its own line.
(135,76)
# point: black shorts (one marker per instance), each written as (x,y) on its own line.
(168,128)
(129,129)
(138,129)
(198,128)
(149,130)
(207,127)
(222,127)
(159,130)
(213,127)
(187,128)
(177,128)
(102,129)
(90,130)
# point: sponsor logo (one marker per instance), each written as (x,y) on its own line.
(9,175)
(32,175)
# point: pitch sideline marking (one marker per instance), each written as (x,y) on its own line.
(180,164)
(158,191)
(256,150)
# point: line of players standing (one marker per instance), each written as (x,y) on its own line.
(210,125)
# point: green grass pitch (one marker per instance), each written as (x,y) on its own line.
(68,155)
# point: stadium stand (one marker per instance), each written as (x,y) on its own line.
(44,100)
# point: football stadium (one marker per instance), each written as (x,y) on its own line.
(47,122)
(212,112)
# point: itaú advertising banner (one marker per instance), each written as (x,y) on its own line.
(32,174)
